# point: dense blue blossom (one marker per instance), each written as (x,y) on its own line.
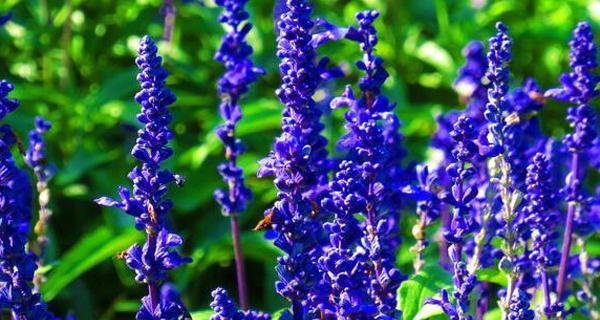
(234,54)
(35,157)
(147,203)
(17,265)
(519,307)
(299,162)
(543,217)
(367,183)
(461,224)
(225,309)
(578,87)
(498,75)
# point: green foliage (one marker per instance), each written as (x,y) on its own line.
(414,291)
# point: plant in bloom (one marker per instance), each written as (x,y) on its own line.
(17,264)
(578,87)
(35,158)
(363,185)
(147,202)
(234,54)
(541,212)
(461,224)
(225,309)
(298,161)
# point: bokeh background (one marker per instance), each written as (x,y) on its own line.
(72,61)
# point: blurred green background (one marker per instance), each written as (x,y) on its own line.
(72,61)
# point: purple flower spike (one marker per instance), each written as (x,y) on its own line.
(542,214)
(578,87)
(147,203)
(461,225)
(234,54)
(225,308)
(17,265)
(35,157)
(498,74)
(299,163)
(241,73)
(368,182)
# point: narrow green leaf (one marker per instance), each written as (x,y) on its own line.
(421,286)
(202,315)
(492,275)
(93,249)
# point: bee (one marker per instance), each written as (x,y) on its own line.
(537,96)
(122,255)
(265,223)
(315,209)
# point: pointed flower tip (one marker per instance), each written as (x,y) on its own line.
(501,27)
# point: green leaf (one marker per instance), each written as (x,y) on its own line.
(283,314)
(495,314)
(421,286)
(93,249)
(202,314)
(429,311)
(492,275)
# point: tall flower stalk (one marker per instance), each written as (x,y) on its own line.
(366,184)
(498,57)
(147,203)
(299,162)
(461,225)
(17,265)
(541,212)
(579,88)
(428,210)
(35,158)
(234,54)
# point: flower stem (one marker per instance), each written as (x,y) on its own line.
(568,235)
(239,263)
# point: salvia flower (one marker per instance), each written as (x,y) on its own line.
(225,309)
(461,224)
(234,54)
(498,57)
(35,157)
(428,210)
(541,213)
(17,265)
(519,307)
(374,153)
(469,83)
(578,87)
(147,203)
(298,161)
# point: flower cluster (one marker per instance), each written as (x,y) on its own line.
(147,203)
(234,54)
(461,224)
(225,309)
(578,87)
(541,213)
(35,158)
(17,265)
(298,161)
(366,183)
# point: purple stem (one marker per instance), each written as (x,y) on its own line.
(483,303)
(239,263)
(568,236)
(152,285)
(546,288)
(297,310)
